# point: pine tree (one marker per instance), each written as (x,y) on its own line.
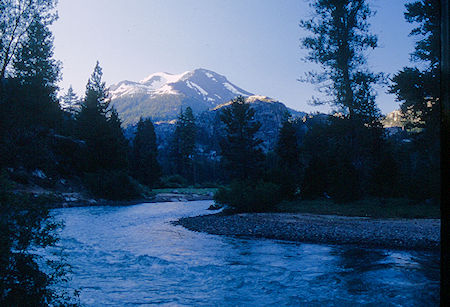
(184,144)
(418,89)
(145,166)
(241,153)
(28,104)
(340,35)
(117,145)
(70,102)
(37,73)
(99,126)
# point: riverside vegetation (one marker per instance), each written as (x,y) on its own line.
(339,163)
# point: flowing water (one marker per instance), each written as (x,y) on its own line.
(134,256)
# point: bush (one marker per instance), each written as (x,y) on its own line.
(112,185)
(247,196)
(174,181)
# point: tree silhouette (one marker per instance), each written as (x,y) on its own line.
(241,153)
(145,166)
(183,148)
(340,35)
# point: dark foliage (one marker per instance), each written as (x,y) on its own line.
(342,157)
(174,181)
(289,169)
(145,166)
(183,145)
(249,196)
(241,154)
(418,91)
(37,74)
(24,226)
(112,185)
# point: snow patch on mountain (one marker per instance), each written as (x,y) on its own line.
(233,89)
(158,79)
(165,89)
(209,75)
(199,88)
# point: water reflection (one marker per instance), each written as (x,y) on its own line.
(134,256)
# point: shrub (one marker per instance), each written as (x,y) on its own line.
(247,196)
(173,181)
(113,185)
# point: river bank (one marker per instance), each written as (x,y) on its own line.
(404,234)
(57,199)
(71,201)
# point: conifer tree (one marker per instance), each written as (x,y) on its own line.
(184,143)
(70,102)
(418,88)
(37,73)
(240,148)
(99,126)
(28,104)
(118,144)
(145,166)
(340,36)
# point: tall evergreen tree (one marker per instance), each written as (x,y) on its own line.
(340,36)
(145,166)
(28,103)
(183,149)
(36,73)
(99,126)
(118,145)
(70,102)
(418,88)
(241,153)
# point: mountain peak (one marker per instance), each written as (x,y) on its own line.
(161,95)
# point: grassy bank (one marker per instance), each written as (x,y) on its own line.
(373,207)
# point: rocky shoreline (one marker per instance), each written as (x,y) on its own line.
(403,234)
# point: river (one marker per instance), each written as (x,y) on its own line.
(134,256)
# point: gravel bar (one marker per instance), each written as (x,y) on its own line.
(403,234)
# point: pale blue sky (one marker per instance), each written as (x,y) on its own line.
(254,43)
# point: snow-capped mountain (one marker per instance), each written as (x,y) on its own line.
(162,95)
